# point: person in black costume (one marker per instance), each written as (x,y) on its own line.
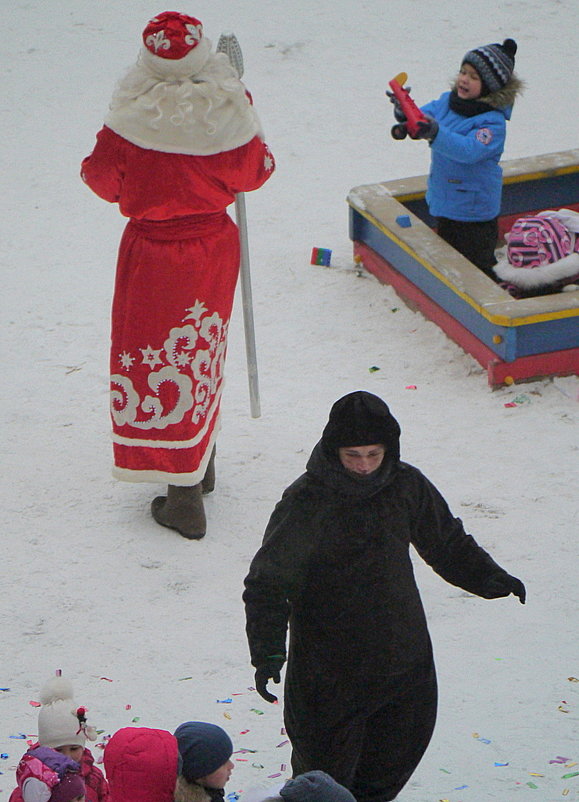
(360,690)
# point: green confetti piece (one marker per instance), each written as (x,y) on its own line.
(532,785)
(573,774)
(446,771)
(373,369)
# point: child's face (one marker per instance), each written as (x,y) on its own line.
(468,83)
(219,777)
(73,751)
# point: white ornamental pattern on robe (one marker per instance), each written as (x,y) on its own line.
(192,357)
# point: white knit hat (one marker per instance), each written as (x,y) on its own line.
(61,722)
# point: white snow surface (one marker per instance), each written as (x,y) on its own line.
(149,626)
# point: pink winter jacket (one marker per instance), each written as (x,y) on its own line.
(97,789)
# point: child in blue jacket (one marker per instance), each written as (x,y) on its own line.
(466,130)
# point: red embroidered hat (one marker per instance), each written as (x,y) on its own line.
(172,37)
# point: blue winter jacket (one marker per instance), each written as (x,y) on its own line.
(465,180)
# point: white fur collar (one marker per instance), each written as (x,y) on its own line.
(533,277)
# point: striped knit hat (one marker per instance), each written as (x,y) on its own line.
(494,63)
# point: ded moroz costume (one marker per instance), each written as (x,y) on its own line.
(180,140)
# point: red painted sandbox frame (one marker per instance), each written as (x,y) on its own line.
(499,372)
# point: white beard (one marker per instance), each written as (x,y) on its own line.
(197,114)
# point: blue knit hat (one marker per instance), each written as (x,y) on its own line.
(315,786)
(203,748)
(494,63)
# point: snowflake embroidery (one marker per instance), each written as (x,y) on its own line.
(182,359)
(268,162)
(484,135)
(126,360)
(151,357)
(196,312)
(191,359)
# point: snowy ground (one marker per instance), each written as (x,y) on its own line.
(91,584)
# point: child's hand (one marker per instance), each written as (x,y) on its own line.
(427,130)
(59,763)
(398,113)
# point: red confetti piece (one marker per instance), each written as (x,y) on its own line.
(128,707)
(271,776)
(35,704)
(106,679)
(510,404)
(244,732)
(411,387)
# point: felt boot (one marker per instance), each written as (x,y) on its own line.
(181,509)
(208,483)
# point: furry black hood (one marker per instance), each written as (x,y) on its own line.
(361,419)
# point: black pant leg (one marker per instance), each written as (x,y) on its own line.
(396,737)
(327,743)
(475,241)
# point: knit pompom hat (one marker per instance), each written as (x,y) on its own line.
(203,748)
(61,722)
(71,786)
(494,63)
(315,786)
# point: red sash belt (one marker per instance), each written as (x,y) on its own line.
(190,227)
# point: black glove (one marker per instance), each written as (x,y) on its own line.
(502,585)
(427,129)
(398,113)
(269,670)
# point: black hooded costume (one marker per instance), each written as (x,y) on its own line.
(360,689)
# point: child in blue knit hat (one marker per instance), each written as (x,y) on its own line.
(204,762)
(466,130)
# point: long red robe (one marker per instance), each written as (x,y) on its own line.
(177,269)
